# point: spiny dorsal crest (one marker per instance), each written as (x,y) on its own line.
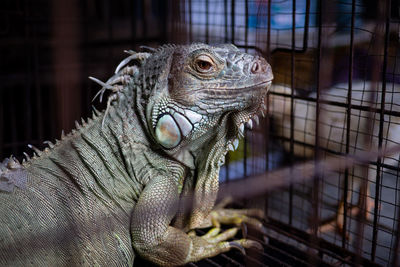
(124,74)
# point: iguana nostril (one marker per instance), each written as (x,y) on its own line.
(256,67)
(259,66)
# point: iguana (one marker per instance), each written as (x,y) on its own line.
(115,186)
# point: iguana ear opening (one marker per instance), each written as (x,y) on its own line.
(167,132)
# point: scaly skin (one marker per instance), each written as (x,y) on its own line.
(139,177)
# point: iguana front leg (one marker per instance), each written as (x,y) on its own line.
(155,240)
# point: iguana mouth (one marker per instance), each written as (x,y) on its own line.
(248,116)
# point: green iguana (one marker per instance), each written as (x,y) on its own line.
(115,186)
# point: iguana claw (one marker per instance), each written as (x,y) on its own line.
(245,243)
(243,226)
(236,245)
(214,243)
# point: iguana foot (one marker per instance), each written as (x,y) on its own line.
(213,243)
(238,217)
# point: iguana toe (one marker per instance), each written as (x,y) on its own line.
(238,217)
(241,244)
(228,234)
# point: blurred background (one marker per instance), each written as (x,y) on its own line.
(336,92)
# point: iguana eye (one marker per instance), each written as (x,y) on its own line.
(204,64)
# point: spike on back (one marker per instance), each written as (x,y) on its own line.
(36,151)
(50,144)
(27,157)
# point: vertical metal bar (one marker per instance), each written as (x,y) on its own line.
(396,248)
(306,26)
(245,145)
(315,190)
(317,116)
(226,20)
(233,21)
(246,23)
(190,22)
(268,100)
(227,157)
(395,234)
(292,85)
(381,121)
(348,123)
(28,81)
(269,32)
(207,22)
(267,137)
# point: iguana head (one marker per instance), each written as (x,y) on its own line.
(194,93)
